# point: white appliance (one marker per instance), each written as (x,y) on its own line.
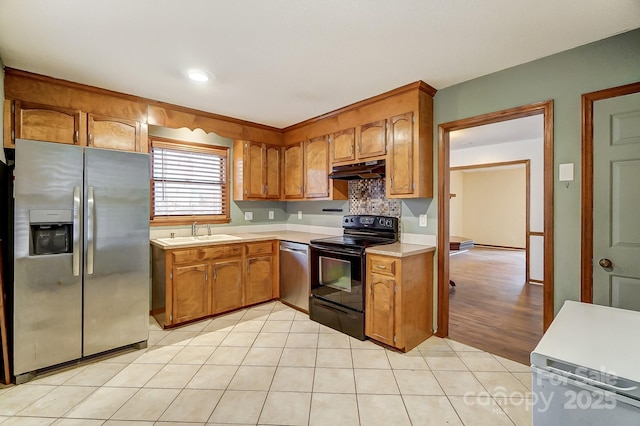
(586,368)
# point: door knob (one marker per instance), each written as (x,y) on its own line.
(605,263)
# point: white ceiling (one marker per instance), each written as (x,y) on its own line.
(519,129)
(279,62)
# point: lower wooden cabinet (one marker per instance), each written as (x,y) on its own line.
(196,282)
(399,299)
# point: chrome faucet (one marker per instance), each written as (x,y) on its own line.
(194,229)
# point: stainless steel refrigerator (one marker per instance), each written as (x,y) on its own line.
(81,261)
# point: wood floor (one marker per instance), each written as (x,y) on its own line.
(491,308)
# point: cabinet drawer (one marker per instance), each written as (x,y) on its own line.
(259,248)
(205,253)
(382,265)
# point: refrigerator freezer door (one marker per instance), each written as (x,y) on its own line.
(47,295)
(116,291)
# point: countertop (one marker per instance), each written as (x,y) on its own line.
(395,249)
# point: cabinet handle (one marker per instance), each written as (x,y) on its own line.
(76,136)
(381,267)
(90,138)
(215,274)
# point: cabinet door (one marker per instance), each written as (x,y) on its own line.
(372,139)
(254,182)
(380,318)
(259,283)
(317,168)
(343,145)
(113,133)
(273,171)
(400,167)
(293,171)
(227,286)
(48,123)
(190,293)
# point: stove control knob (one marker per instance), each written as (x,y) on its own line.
(381,221)
(389,223)
(352,220)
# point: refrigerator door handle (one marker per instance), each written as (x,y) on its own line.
(76,231)
(588,380)
(90,236)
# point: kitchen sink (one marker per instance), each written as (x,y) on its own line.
(179,241)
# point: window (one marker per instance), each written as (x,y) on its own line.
(188,182)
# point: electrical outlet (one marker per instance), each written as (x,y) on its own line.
(299,215)
(271,214)
(423,220)
(248,215)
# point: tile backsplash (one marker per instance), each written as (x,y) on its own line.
(367,196)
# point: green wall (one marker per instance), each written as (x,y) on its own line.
(563,77)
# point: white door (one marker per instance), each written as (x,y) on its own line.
(616,202)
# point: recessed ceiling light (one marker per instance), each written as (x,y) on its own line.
(199,76)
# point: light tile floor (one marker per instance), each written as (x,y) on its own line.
(271,365)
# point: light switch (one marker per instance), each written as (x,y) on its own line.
(423,220)
(271,214)
(248,215)
(299,215)
(565,172)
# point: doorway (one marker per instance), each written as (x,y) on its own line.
(444,132)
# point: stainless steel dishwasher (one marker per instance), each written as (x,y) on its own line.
(294,274)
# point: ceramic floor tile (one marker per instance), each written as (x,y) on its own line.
(249,378)
(194,326)
(417,382)
(158,355)
(172,376)
(58,401)
(337,358)
(209,338)
(237,315)
(293,379)
(434,343)
(298,357)
(77,422)
(514,367)
(220,324)
(155,336)
(196,355)
(382,410)
(284,315)
(30,421)
(367,344)
(364,358)
(461,347)
(431,410)
(192,406)
(370,381)
(271,340)
(286,408)
(524,378)
(253,326)
(501,383)
(333,341)
(459,383)
(255,314)
(334,380)
(19,397)
(412,360)
(239,407)
(301,340)
(178,338)
(519,409)
(480,361)
(135,375)
(58,377)
(301,316)
(274,326)
(480,411)
(305,326)
(239,339)
(333,409)
(443,360)
(228,356)
(262,356)
(102,404)
(213,377)
(96,374)
(126,356)
(127,423)
(146,404)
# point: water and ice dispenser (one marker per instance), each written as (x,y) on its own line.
(50,231)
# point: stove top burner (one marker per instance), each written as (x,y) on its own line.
(362,231)
(349,241)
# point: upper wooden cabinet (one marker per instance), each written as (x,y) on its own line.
(316,165)
(343,145)
(51,123)
(257,171)
(372,139)
(293,171)
(400,159)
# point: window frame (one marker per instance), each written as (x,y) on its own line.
(179,145)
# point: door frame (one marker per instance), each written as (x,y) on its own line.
(586,257)
(527,230)
(546,109)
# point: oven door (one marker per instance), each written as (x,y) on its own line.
(337,276)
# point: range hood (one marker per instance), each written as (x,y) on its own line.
(368,170)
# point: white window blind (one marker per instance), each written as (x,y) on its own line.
(188,179)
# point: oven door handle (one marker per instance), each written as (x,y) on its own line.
(331,308)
